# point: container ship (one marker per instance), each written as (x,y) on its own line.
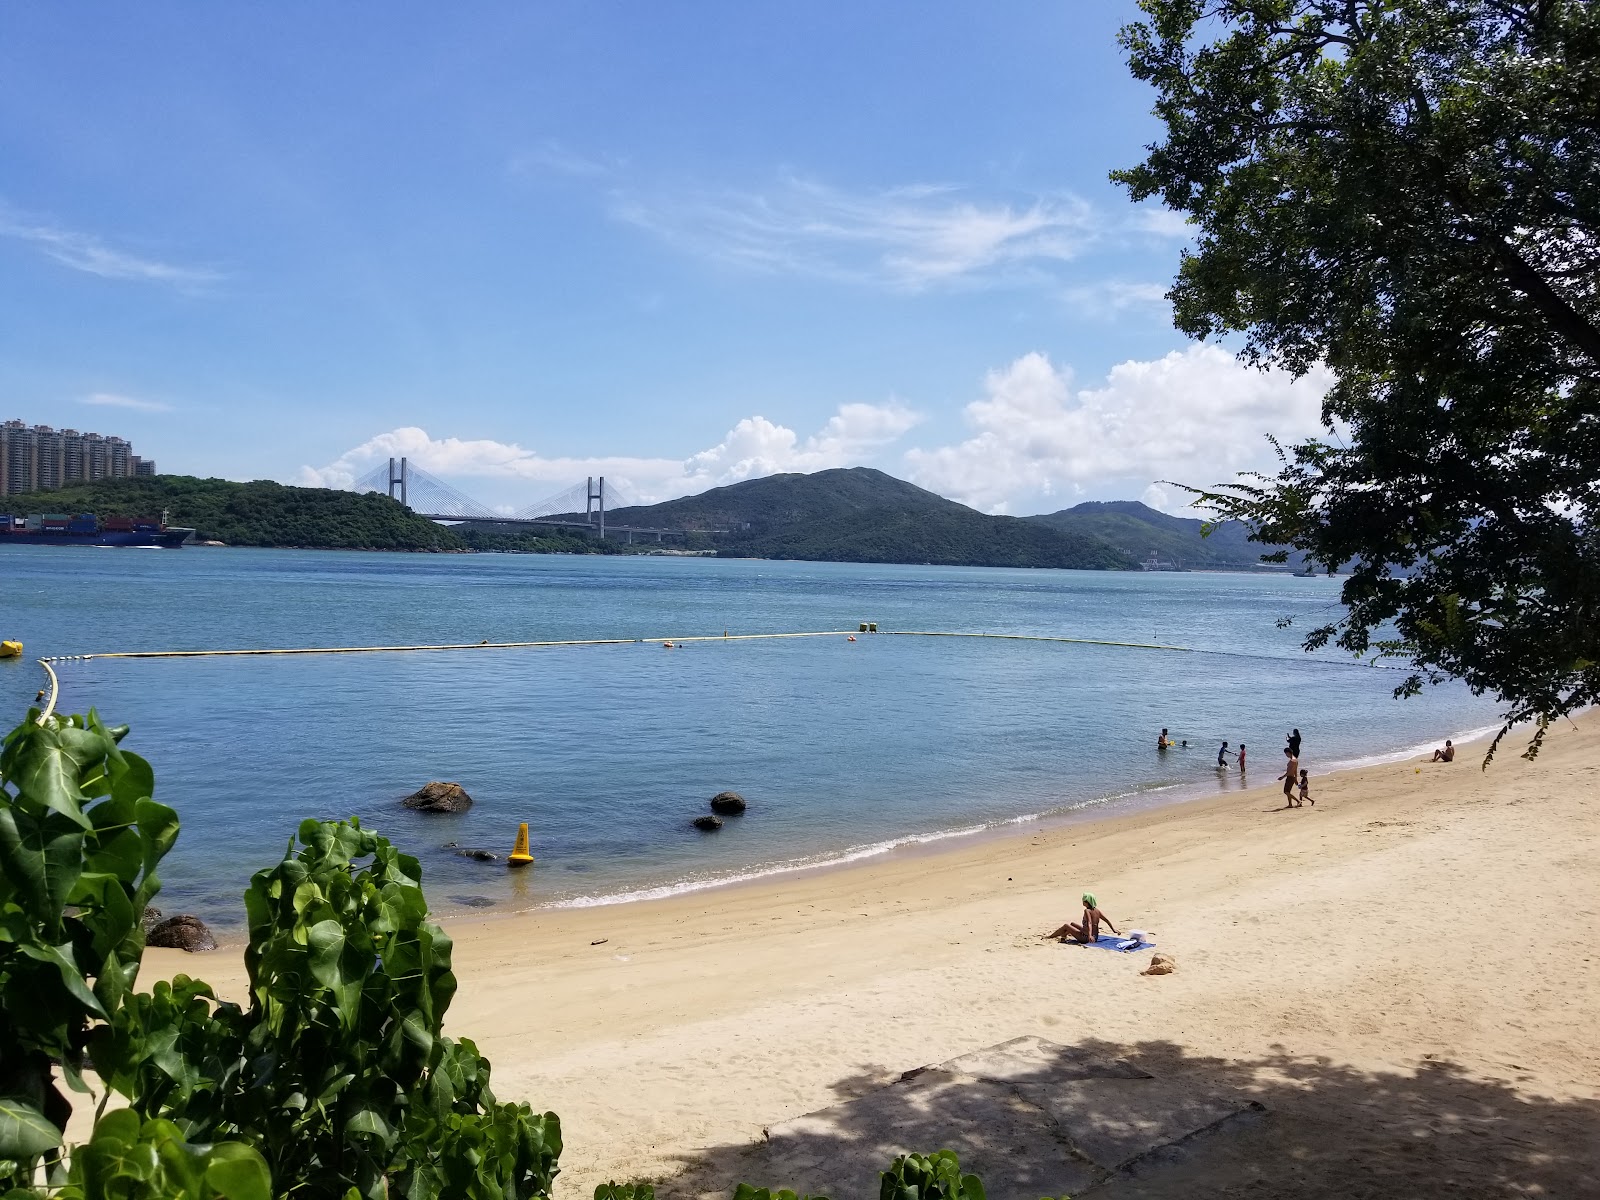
(86,529)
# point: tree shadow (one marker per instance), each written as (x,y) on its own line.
(1149,1119)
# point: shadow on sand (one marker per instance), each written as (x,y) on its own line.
(1034,1118)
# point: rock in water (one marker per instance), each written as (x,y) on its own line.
(182,932)
(438,797)
(727,804)
(1160,964)
(708,824)
(480,855)
(151,918)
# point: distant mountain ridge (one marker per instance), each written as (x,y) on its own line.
(1139,530)
(859,514)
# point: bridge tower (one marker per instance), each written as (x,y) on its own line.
(594,495)
(399,481)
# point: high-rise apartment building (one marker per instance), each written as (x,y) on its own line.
(37,458)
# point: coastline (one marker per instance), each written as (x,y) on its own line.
(669,1033)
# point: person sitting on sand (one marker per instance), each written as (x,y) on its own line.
(1448,754)
(1305,789)
(1089,930)
(1290,776)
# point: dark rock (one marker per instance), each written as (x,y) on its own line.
(182,932)
(437,797)
(708,824)
(480,855)
(727,804)
(151,918)
(473,901)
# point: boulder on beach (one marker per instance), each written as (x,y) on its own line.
(151,918)
(708,824)
(727,804)
(181,932)
(1160,964)
(439,797)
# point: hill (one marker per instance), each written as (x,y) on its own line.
(857,514)
(1137,529)
(261,513)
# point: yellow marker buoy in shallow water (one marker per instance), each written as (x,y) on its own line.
(9,649)
(519,853)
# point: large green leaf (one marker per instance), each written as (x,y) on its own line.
(25,1132)
(43,856)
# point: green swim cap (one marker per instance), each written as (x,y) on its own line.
(1088,900)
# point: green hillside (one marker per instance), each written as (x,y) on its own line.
(1137,530)
(858,514)
(250,514)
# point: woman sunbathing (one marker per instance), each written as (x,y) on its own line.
(1089,931)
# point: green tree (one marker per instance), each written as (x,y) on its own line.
(1407,191)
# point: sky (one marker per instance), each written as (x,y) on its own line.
(676,245)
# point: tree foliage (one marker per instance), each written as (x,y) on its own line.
(1408,191)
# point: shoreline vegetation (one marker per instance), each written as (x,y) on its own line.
(845,515)
(1328,959)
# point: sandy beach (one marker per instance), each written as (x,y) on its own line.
(1403,974)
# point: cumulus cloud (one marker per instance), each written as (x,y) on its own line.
(1195,415)
(116,400)
(910,237)
(85,252)
(753,447)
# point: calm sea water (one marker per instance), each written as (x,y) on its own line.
(608,752)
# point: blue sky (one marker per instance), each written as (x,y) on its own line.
(678,244)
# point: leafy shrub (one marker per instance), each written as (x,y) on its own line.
(936,1177)
(130,1159)
(338,1070)
(80,838)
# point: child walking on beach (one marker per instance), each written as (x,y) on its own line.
(1305,788)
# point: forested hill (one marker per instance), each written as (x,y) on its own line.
(250,514)
(858,514)
(1137,530)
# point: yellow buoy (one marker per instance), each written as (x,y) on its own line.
(519,853)
(10,649)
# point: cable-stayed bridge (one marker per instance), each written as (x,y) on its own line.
(581,506)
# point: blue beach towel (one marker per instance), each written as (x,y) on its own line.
(1120,945)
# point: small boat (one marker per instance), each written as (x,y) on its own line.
(10,649)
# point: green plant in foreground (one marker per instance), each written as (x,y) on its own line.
(80,838)
(130,1159)
(338,1070)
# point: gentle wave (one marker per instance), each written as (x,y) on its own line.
(682,887)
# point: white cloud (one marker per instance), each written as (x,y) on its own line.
(115,400)
(551,157)
(1195,416)
(85,252)
(1112,297)
(910,237)
(753,447)
(1162,222)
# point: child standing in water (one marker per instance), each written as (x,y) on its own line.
(1241,758)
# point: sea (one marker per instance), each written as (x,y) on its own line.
(843,750)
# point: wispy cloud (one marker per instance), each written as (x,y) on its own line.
(88,253)
(912,237)
(1113,297)
(552,157)
(116,400)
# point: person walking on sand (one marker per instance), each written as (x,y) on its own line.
(1290,776)
(1222,757)
(1089,930)
(1448,754)
(1305,789)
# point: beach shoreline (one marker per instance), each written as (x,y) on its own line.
(670,1033)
